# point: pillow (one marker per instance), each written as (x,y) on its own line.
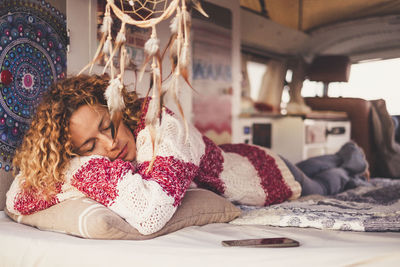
(6,178)
(86,218)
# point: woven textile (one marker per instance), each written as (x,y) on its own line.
(33,45)
(373,208)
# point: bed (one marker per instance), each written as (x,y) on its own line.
(22,245)
(371,237)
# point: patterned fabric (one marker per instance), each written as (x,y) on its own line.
(33,46)
(370,208)
(148,197)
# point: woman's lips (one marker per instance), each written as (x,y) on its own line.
(123,152)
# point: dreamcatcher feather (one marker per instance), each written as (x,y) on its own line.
(147,14)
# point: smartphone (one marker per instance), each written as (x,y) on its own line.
(278,242)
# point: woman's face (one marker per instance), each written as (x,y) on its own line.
(91,134)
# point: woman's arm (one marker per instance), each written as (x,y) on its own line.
(141,202)
(25,202)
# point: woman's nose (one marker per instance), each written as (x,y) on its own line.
(109,142)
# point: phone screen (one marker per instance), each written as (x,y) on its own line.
(277,242)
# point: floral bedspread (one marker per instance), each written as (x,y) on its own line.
(372,208)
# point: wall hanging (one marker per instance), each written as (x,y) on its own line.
(33,46)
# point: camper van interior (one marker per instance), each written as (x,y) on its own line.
(299,77)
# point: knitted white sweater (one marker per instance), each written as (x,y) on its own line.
(148,199)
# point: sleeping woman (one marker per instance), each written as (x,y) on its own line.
(73,149)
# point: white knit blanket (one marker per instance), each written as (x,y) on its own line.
(373,208)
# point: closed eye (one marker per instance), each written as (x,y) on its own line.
(87,147)
(110,127)
(92,147)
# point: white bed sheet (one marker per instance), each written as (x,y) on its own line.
(24,246)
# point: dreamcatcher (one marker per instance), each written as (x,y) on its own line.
(146,14)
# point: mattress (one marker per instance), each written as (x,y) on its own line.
(22,245)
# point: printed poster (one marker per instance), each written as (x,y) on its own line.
(212,74)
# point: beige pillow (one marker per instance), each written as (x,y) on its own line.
(6,179)
(86,218)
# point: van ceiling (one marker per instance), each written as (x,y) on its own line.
(306,15)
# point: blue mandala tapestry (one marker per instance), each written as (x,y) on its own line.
(33,46)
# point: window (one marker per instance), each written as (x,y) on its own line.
(256,72)
(368,80)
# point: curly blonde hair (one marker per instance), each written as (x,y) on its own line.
(46,148)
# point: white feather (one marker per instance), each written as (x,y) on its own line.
(153,110)
(107,21)
(184,58)
(171,85)
(174,24)
(152,46)
(106,47)
(121,38)
(115,101)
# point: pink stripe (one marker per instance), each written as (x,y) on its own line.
(271,177)
(98,179)
(173,175)
(28,202)
(211,166)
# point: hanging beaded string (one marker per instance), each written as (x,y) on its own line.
(185,49)
(174,83)
(152,48)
